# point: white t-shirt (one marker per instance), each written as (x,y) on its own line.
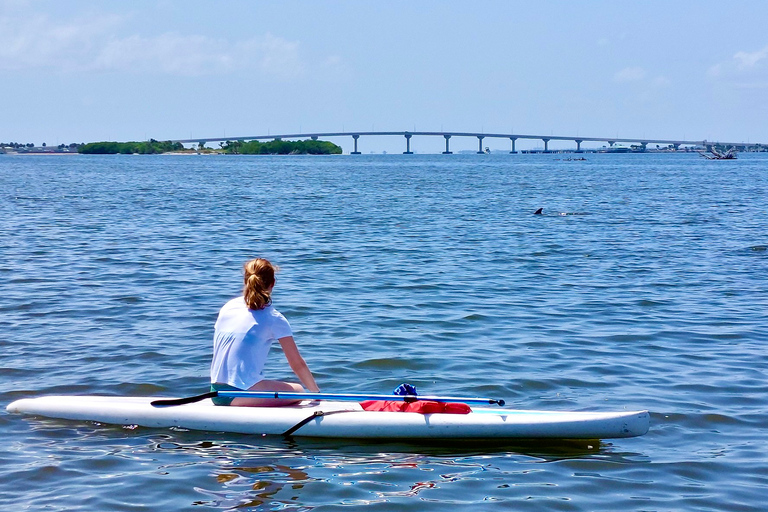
(241,342)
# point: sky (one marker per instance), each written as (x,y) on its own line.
(82,71)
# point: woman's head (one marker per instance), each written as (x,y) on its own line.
(258,280)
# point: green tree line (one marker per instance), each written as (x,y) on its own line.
(281,147)
(149,147)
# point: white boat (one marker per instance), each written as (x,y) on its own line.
(714,154)
(338,419)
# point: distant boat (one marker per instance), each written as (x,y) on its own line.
(714,154)
(487,150)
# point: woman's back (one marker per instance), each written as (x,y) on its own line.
(241,336)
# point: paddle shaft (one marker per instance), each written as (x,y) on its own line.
(346,397)
(351,397)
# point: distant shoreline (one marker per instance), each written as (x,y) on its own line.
(170,153)
(46,153)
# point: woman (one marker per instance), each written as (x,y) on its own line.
(246,328)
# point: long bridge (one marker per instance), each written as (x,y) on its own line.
(640,144)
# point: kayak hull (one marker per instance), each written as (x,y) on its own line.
(331,419)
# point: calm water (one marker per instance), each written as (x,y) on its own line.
(643,286)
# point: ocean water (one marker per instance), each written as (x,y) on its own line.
(644,285)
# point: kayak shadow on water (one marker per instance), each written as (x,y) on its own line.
(550,449)
(211,442)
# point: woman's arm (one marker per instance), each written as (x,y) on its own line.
(297,363)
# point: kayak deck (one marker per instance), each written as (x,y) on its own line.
(333,419)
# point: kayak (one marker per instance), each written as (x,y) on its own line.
(339,419)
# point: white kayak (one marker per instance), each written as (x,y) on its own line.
(333,419)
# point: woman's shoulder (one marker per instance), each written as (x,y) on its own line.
(235,303)
(280,325)
(270,310)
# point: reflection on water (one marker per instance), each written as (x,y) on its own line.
(287,474)
(258,488)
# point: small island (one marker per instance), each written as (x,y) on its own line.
(150,147)
(238,147)
(281,147)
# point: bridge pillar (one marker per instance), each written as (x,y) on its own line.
(480,144)
(513,139)
(546,145)
(408,144)
(578,145)
(447,150)
(314,137)
(611,142)
(644,146)
(676,146)
(355,152)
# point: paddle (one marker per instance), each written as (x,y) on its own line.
(346,397)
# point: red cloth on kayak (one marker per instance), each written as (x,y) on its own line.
(420,406)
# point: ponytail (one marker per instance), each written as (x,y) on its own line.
(258,280)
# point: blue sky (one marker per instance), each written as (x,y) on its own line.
(81,71)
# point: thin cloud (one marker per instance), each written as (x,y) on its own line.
(749,66)
(274,55)
(632,74)
(167,53)
(33,41)
(715,70)
(746,60)
(88,45)
(643,87)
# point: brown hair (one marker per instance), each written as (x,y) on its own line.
(258,280)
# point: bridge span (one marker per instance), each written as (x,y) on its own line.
(641,144)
